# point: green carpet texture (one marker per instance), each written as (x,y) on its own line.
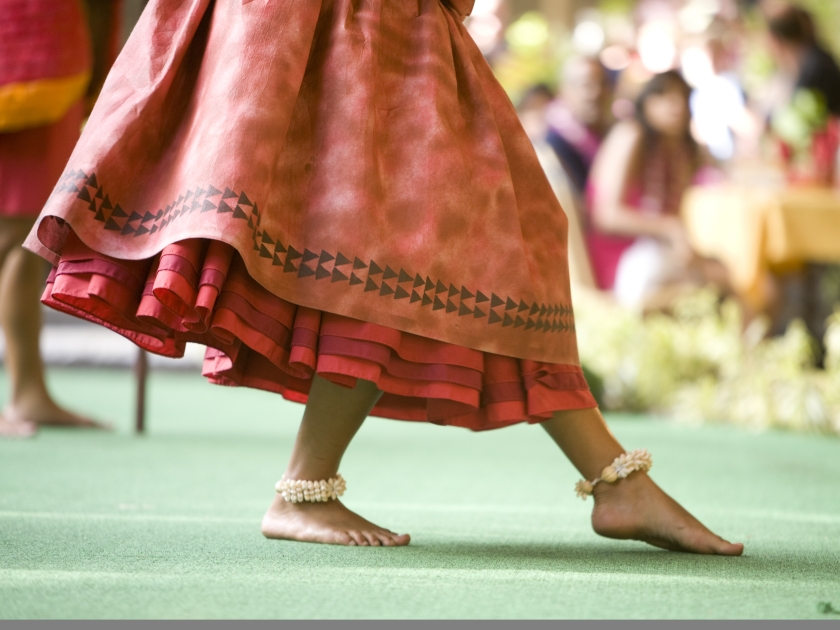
(110,525)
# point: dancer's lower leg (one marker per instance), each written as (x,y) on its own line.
(332,417)
(20,317)
(635,507)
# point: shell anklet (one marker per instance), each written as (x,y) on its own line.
(622,466)
(298,490)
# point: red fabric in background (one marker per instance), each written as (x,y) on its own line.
(199,291)
(31,161)
(42,39)
(39,39)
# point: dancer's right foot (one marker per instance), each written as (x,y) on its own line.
(636,508)
(329,523)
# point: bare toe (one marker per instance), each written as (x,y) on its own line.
(359,538)
(386,537)
(401,540)
(373,541)
(343,538)
(726,548)
(15,428)
(385,540)
(394,535)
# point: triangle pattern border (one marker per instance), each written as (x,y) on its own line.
(460,300)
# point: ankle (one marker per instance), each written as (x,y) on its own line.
(311,469)
(282,506)
(33,396)
(635,482)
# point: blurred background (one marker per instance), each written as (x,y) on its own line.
(694,147)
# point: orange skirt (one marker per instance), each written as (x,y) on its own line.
(335,187)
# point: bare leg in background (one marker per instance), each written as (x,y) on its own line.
(21,282)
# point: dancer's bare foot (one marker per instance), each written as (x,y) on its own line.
(636,508)
(632,508)
(330,523)
(46,413)
(12,427)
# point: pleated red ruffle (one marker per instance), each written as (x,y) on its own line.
(200,291)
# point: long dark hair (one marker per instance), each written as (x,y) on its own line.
(794,26)
(660,84)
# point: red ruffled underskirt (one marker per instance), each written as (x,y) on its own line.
(200,291)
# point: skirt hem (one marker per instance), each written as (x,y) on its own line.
(200,291)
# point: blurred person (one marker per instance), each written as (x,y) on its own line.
(807,122)
(45,73)
(579,119)
(486,25)
(532,109)
(809,66)
(723,120)
(637,241)
(314,244)
(808,69)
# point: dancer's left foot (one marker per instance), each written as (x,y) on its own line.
(636,508)
(330,523)
(46,413)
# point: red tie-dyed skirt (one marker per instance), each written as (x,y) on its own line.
(327,187)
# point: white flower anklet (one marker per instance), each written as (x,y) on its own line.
(297,490)
(622,466)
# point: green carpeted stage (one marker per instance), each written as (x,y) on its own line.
(109,525)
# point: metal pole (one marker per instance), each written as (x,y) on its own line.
(141,370)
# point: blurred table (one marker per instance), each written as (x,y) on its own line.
(753,230)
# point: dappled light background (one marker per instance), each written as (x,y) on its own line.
(717,305)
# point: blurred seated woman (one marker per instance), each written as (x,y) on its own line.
(636,239)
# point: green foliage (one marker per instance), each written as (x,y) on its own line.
(622,7)
(797,122)
(758,64)
(534,54)
(697,365)
(827,17)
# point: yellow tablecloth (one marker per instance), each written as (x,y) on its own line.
(753,230)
